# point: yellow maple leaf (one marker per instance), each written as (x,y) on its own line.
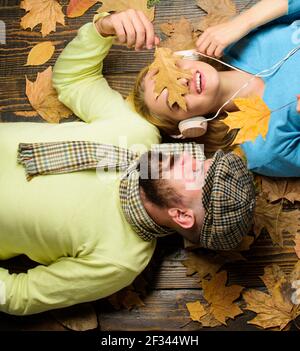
(196,310)
(122,5)
(46,12)
(221,297)
(40,53)
(275,309)
(168,75)
(43,98)
(252,119)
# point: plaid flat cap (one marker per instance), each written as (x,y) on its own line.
(229,201)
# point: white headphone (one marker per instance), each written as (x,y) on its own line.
(197,126)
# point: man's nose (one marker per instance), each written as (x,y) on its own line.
(187,159)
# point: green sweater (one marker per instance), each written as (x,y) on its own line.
(71,224)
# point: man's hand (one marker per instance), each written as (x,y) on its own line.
(298,106)
(215,39)
(131,27)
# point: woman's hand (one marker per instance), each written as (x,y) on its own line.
(215,39)
(298,106)
(131,27)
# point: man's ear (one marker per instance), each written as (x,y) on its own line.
(185,218)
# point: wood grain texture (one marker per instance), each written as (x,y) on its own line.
(169,287)
(120,67)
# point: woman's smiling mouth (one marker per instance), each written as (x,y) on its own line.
(198,82)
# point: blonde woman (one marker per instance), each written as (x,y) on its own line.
(209,89)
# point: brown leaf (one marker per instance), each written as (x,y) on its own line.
(276,308)
(43,98)
(40,54)
(204,265)
(180,35)
(201,313)
(196,310)
(46,12)
(297,245)
(268,316)
(218,11)
(121,5)
(126,298)
(81,317)
(168,76)
(77,8)
(209,263)
(221,298)
(274,220)
(278,188)
(245,244)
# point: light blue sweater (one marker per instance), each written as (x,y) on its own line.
(279,154)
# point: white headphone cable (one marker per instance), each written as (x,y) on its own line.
(192,54)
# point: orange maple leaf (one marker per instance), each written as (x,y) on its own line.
(77,8)
(46,12)
(43,98)
(252,120)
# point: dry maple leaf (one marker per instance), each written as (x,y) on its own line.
(252,120)
(127,298)
(200,313)
(180,35)
(46,12)
(196,310)
(40,54)
(219,304)
(297,245)
(121,5)
(80,317)
(43,98)
(221,297)
(77,8)
(277,189)
(168,76)
(275,309)
(218,11)
(208,263)
(274,220)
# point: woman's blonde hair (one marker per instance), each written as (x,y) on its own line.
(216,137)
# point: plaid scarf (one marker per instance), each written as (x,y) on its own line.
(73,156)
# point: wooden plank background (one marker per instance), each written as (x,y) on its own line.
(169,287)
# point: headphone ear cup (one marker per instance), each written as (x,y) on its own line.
(193,127)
